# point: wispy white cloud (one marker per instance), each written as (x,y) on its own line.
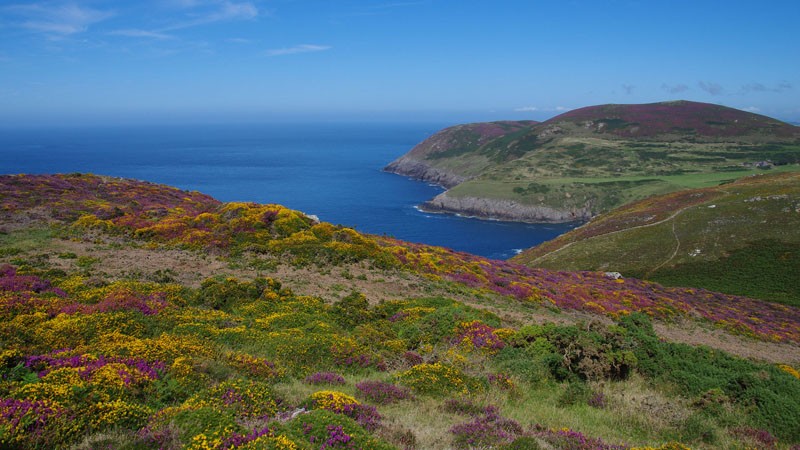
(303,48)
(56,18)
(219,12)
(675,88)
(711,87)
(233,11)
(137,33)
(753,109)
(536,108)
(195,13)
(759,87)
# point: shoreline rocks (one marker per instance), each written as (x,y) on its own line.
(499,209)
(418,170)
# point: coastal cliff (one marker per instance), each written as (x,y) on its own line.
(502,209)
(437,159)
(419,170)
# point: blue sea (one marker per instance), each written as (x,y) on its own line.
(330,170)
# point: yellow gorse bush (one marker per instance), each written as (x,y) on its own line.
(790,370)
(331,400)
(438,379)
(667,446)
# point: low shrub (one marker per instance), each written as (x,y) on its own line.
(326,429)
(768,393)
(352,310)
(439,379)
(576,393)
(222,292)
(340,403)
(464,407)
(329,400)
(381,392)
(572,440)
(488,430)
(243,398)
(325,378)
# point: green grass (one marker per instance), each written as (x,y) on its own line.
(743,240)
(768,393)
(684,181)
(766,269)
(24,240)
(641,186)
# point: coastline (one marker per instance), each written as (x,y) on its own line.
(502,210)
(418,170)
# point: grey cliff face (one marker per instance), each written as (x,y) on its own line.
(419,170)
(504,209)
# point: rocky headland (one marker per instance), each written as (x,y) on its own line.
(502,209)
(419,170)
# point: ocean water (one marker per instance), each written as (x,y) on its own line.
(331,170)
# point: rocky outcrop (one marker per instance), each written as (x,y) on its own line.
(418,170)
(504,209)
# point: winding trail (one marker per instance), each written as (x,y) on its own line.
(674,253)
(625,230)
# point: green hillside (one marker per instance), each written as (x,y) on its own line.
(593,159)
(137,316)
(457,153)
(740,238)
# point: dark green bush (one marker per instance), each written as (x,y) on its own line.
(578,352)
(576,393)
(769,395)
(221,292)
(352,310)
(440,324)
(518,362)
(320,426)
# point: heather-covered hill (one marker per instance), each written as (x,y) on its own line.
(274,234)
(593,159)
(134,315)
(741,238)
(677,120)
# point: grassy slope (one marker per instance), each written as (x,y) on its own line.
(609,155)
(461,149)
(131,263)
(740,238)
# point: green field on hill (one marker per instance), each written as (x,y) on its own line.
(740,238)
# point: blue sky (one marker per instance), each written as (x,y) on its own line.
(439,60)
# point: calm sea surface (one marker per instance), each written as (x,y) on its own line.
(333,171)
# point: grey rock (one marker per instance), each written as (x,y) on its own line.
(504,209)
(419,170)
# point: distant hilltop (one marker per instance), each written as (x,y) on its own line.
(590,160)
(676,120)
